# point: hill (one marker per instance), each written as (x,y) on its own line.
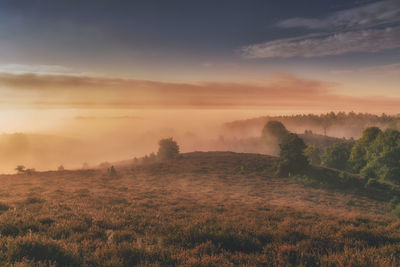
(203,209)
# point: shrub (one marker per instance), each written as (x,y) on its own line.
(4,207)
(37,249)
(168,149)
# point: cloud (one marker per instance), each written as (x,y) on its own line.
(281,91)
(373,40)
(377,71)
(371,15)
(369,28)
(86,91)
(38,69)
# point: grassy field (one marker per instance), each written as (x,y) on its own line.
(204,209)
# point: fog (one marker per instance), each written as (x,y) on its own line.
(46,139)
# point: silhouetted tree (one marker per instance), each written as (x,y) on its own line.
(20,168)
(272,135)
(168,149)
(30,171)
(112,172)
(291,157)
(60,168)
(274,129)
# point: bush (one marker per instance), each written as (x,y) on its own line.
(291,158)
(4,207)
(168,149)
(37,249)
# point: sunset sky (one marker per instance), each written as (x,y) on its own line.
(265,56)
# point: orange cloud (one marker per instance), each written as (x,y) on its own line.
(281,91)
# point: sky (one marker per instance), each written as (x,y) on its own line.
(63,58)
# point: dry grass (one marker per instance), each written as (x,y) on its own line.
(205,209)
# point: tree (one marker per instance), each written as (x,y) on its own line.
(112,172)
(383,157)
(337,155)
(60,168)
(291,157)
(20,169)
(168,149)
(358,156)
(272,135)
(30,171)
(274,129)
(313,154)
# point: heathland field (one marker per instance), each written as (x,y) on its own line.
(203,209)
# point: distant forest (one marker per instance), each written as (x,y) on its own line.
(341,124)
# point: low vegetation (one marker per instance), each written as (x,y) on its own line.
(201,209)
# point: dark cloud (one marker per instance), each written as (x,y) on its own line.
(373,40)
(370,28)
(370,15)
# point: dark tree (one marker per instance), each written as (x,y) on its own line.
(168,149)
(337,155)
(274,129)
(112,172)
(272,135)
(291,157)
(20,168)
(30,171)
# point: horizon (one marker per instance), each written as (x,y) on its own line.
(199,133)
(124,70)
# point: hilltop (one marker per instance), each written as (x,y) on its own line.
(203,209)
